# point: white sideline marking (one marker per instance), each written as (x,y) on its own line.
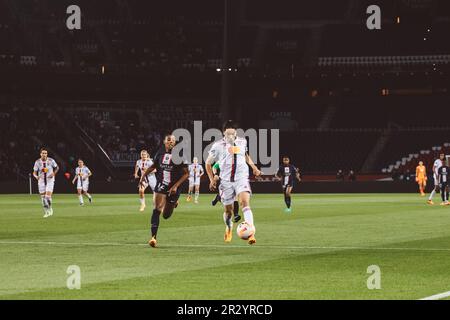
(115,244)
(438,296)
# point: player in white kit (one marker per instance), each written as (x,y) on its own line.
(436,166)
(44,171)
(231,154)
(195,174)
(82,174)
(141,166)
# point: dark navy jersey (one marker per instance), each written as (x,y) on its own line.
(444,174)
(287,174)
(167,172)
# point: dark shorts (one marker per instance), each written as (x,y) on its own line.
(164,189)
(285,186)
(443,186)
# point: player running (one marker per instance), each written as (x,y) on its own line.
(443,175)
(195,174)
(231,154)
(421,178)
(286,174)
(169,177)
(216,172)
(437,164)
(150,180)
(82,175)
(44,171)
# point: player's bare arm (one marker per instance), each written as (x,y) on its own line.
(146,173)
(180,181)
(250,162)
(54,173)
(210,173)
(136,169)
(297,175)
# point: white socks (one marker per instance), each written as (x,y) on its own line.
(196,196)
(248,215)
(227,220)
(432,194)
(142,201)
(80,197)
(48,200)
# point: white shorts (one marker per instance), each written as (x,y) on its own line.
(194,183)
(229,190)
(83,185)
(150,181)
(46,187)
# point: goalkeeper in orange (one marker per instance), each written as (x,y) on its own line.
(421,177)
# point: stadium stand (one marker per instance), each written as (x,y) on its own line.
(341,104)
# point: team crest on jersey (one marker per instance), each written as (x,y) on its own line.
(286,170)
(167,158)
(234,150)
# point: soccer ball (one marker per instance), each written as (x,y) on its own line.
(245,231)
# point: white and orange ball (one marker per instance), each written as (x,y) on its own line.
(245,231)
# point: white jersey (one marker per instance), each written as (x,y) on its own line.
(82,173)
(231,159)
(437,165)
(143,165)
(195,170)
(44,169)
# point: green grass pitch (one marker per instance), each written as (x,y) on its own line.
(320,251)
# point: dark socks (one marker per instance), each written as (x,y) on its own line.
(216,199)
(155,222)
(287,200)
(236,208)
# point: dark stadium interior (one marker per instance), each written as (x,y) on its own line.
(343,96)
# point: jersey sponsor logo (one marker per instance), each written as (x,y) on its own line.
(167,158)
(234,150)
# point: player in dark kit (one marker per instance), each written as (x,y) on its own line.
(443,174)
(169,177)
(286,174)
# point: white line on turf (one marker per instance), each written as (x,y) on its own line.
(112,244)
(438,296)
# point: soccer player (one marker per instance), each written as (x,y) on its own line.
(437,164)
(231,154)
(421,178)
(286,174)
(142,165)
(195,174)
(44,171)
(82,174)
(216,172)
(443,175)
(169,177)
